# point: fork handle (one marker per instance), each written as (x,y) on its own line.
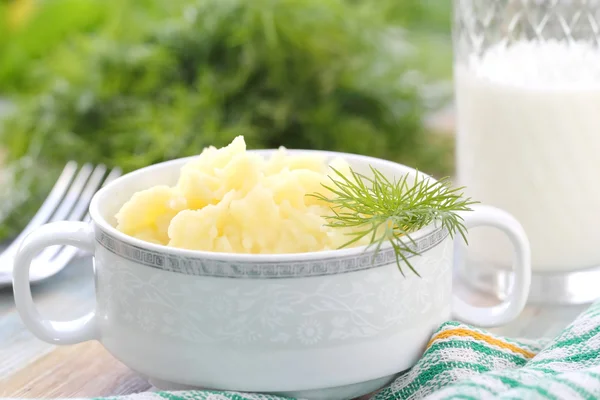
(78,234)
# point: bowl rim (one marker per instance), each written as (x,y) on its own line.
(111,231)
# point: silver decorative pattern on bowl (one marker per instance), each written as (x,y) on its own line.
(200,266)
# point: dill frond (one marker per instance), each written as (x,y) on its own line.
(390,210)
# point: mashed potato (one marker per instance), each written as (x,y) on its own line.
(229,200)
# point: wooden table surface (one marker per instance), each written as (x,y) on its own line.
(31,368)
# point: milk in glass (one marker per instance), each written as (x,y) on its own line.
(528,142)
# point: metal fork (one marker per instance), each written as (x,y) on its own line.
(68,201)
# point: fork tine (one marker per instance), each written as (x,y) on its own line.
(81,203)
(73,194)
(68,199)
(66,253)
(91,187)
(114,174)
(56,194)
(42,215)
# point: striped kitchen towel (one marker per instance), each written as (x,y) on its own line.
(462,362)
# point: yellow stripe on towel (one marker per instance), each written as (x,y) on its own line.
(480,336)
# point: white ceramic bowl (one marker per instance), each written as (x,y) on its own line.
(332,324)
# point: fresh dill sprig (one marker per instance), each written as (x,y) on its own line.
(385,210)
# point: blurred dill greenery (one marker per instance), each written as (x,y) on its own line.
(130,83)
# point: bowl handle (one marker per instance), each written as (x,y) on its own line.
(78,234)
(508,310)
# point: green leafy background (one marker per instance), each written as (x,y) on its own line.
(130,83)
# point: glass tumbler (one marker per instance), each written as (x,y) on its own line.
(527,97)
